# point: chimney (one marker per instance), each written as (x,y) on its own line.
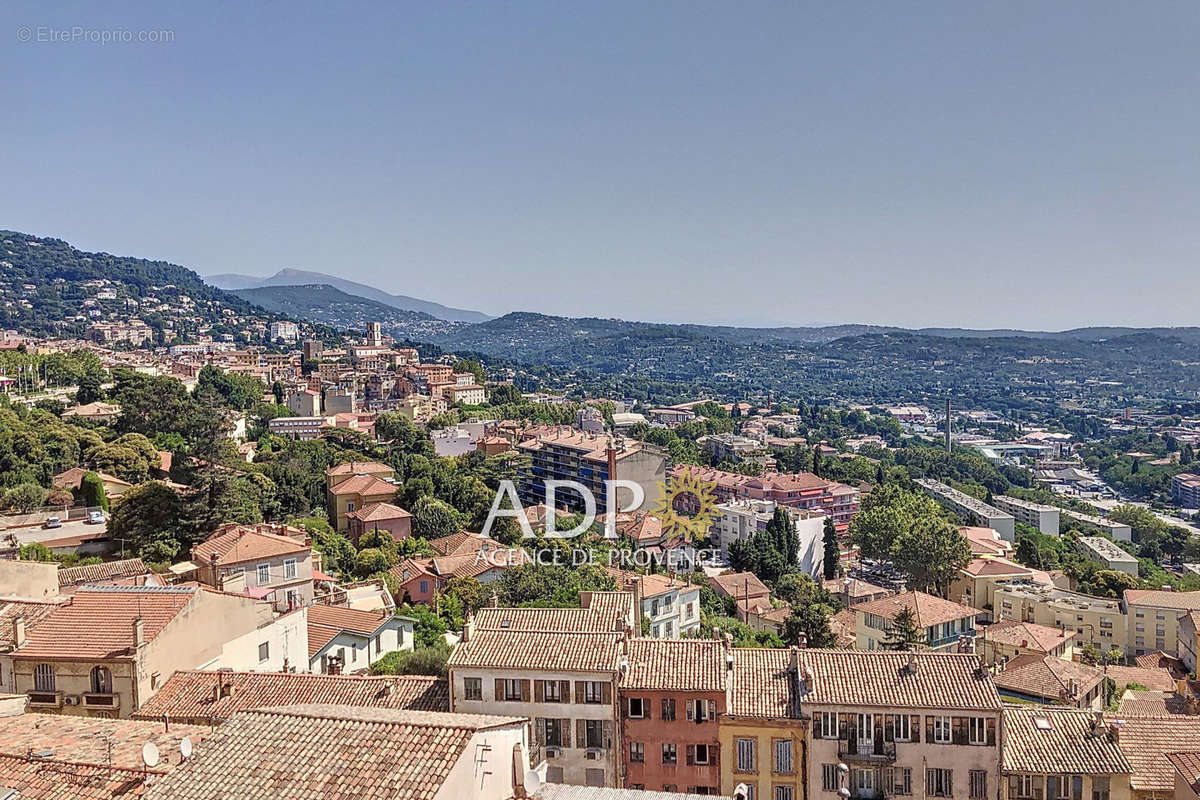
(18,632)
(910,665)
(1114,730)
(139,632)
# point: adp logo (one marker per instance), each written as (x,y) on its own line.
(686,506)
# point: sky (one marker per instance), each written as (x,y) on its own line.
(1016,164)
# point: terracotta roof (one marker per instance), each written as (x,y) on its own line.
(189,694)
(41,779)
(1160,660)
(1047,677)
(236,544)
(365,485)
(1057,740)
(1145,741)
(761,685)
(564,791)
(109,570)
(98,622)
(1159,598)
(549,652)
(982,567)
(853,587)
(1188,767)
(378,511)
(1150,703)
(984,541)
(844,625)
(652,585)
(927,610)
(682,665)
(740,584)
(460,543)
(470,565)
(92,740)
(325,752)
(12,610)
(1157,679)
(326,622)
(881,678)
(614,605)
(549,620)
(360,468)
(1026,635)
(70,479)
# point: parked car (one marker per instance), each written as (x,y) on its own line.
(52,522)
(95,518)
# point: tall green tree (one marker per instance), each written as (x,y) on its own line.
(904,634)
(831,558)
(91,489)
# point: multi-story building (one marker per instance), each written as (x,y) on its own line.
(263,561)
(302,428)
(1117,531)
(386,517)
(355,484)
(971,508)
(799,490)
(763,734)
(1049,680)
(1153,618)
(590,459)
(671,607)
(305,403)
(1097,621)
(944,623)
(741,519)
(1041,516)
(1106,553)
(1009,638)
(349,640)
(1062,753)
(1185,488)
(977,582)
(900,725)
(287,331)
(671,694)
(108,649)
(468,394)
(558,668)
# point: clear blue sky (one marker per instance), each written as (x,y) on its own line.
(977,164)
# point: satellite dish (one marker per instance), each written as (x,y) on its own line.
(150,754)
(533,781)
(185,747)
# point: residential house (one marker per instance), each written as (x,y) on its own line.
(1187,646)
(798,490)
(114,487)
(269,562)
(127,571)
(386,517)
(1051,680)
(1154,616)
(852,591)
(1062,753)
(17,619)
(671,695)
(671,607)
(985,542)
(903,724)
(944,623)
(93,412)
(1187,774)
(1146,743)
(421,578)
(356,484)
(110,648)
(739,586)
(976,583)
(762,734)
(210,697)
(1009,638)
(344,640)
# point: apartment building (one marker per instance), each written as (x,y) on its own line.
(1106,553)
(301,428)
(1185,488)
(671,607)
(900,725)
(1188,640)
(346,640)
(287,331)
(977,582)
(1117,531)
(1041,516)
(671,694)
(798,490)
(108,649)
(944,623)
(763,734)
(1097,621)
(1153,618)
(265,561)
(971,508)
(305,403)
(1062,753)
(591,459)
(741,519)
(354,485)
(558,668)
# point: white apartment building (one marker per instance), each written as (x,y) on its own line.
(741,519)
(1105,552)
(970,507)
(287,331)
(670,606)
(1043,517)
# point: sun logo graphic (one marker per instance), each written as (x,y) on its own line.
(687,506)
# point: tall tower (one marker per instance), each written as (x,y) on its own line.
(374,334)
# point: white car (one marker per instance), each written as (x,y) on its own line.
(95,518)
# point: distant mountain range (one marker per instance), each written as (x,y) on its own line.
(299,277)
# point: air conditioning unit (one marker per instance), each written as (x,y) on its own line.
(71,700)
(553,752)
(593,754)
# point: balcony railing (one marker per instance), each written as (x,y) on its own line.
(870,751)
(105,700)
(45,699)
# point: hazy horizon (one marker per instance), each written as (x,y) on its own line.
(1026,166)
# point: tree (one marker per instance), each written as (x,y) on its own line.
(931,553)
(337,553)
(904,634)
(36,551)
(832,555)
(433,518)
(277,390)
(473,367)
(809,624)
(1111,583)
(429,629)
(419,661)
(91,389)
(91,489)
(25,497)
(148,513)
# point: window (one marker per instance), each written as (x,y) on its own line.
(555,732)
(937,782)
(745,755)
(349,505)
(593,692)
(942,730)
(593,777)
(1099,787)
(289,568)
(783,756)
(43,678)
(669,756)
(978,783)
(829,777)
(552,691)
(863,781)
(978,731)
(637,707)
(637,752)
(668,710)
(554,774)
(784,793)
(701,710)
(1021,786)
(593,734)
(263,574)
(473,688)
(378,645)
(424,587)
(897,781)
(264,652)
(827,725)
(510,689)
(101,680)
(900,727)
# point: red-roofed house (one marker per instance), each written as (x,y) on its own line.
(355,484)
(381,517)
(271,562)
(345,640)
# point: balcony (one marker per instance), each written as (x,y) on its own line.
(45,699)
(104,701)
(874,752)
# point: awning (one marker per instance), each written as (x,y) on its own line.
(183,567)
(260,592)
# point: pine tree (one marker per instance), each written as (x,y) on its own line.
(904,633)
(832,556)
